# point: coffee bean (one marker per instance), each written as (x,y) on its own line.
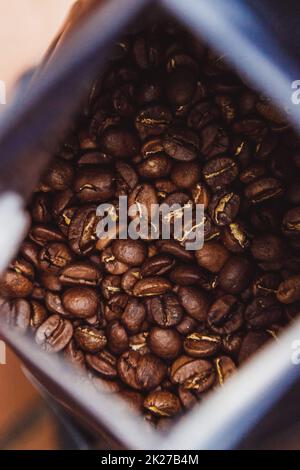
(141,372)
(185,174)
(225,315)
(219,172)
(130,252)
(120,142)
(54,334)
(235,275)
(81,273)
(252,342)
(215,141)
(94,185)
(193,374)
(263,312)
(162,403)
(151,286)
(165,343)
(289,290)
(194,302)
(224,207)
(181,144)
(90,339)
(54,256)
(268,247)
(117,338)
(181,86)
(153,120)
(134,316)
(165,310)
(82,230)
(81,302)
(104,363)
(212,256)
(235,237)
(264,189)
(59,176)
(202,345)
(157,265)
(291,222)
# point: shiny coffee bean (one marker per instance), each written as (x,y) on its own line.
(162,403)
(141,372)
(151,286)
(81,302)
(219,172)
(263,190)
(289,290)
(181,144)
(130,252)
(54,334)
(194,302)
(81,273)
(263,312)
(94,185)
(224,207)
(212,256)
(225,368)
(185,175)
(225,315)
(165,343)
(90,339)
(120,142)
(235,275)
(165,310)
(54,257)
(153,120)
(201,345)
(193,374)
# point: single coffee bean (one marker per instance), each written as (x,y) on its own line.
(147,51)
(219,172)
(165,310)
(156,166)
(232,343)
(130,252)
(235,275)
(134,316)
(194,302)
(50,281)
(60,175)
(54,334)
(181,86)
(153,120)
(263,312)
(14,284)
(185,175)
(94,185)
(225,315)
(193,374)
(38,314)
(129,279)
(201,345)
(224,207)
(120,142)
(235,237)
(81,273)
(291,222)
(165,343)
(151,286)
(82,230)
(252,172)
(157,265)
(41,209)
(162,403)
(90,339)
(215,141)
(54,257)
(212,256)
(117,338)
(289,290)
(81,302)
(42,234)
(111,264)
(141,372)
(202,114)
(181,144)
(143,196)
(268,247)
(266,284)
(104,363)
(264,189)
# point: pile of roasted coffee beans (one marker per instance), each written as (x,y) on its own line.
(148,320)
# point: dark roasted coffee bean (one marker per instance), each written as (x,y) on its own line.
(185,175)
(227,107)
(266,284)
(212,256)
(151,286)
(291,222)
(90,339)
(38,314)
(14,284)
(219,172)
(202,114)
(187,325)
(82,230)
(215,141)
(143,196)
(110,285)
(252,172)
(186,275)
(42,234)
(193,374)
(235,275)
(263,312)
(40,211)
(147,51)
(181,144)
(201,345)
(111,264)
(130,252)
(181,86)
(104,363)
(94,185)
(134,316)
(225,368)
(157,265)
(231,343)
(162,403)
(153,120)
(54,257)
(194,302)
(120,142)
(50,281)
(54,334)
(264,189)
(225,315)
(224,207)
(81,302)
(129,279)
(165,342)
(117,338)
(81,273)
(174,248)
(289,290)
(235,237)
(165,310)
(268,247)
(59,176)
(30,252)
(156,166)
